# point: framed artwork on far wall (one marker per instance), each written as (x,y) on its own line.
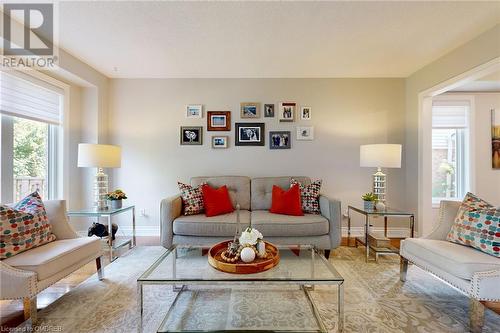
(192,135)
(220,142)
(287,111)
(269,110)
(305,113)
(305,133)
(218,120)
(249,134)
(194,111)
(495,139)
(250,110)
(280,140)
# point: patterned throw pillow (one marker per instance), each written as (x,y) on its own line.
(24,226)
(192,199)
(309,195)
(477,225)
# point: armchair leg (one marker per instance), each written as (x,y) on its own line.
(29,305)
(476,315)
(100,269)
(403,268)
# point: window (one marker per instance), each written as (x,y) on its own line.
(30,131)
(450,149)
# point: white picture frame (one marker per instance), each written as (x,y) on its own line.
(220,142)
(286,112)
(305,133)
(305,113)
(194,111)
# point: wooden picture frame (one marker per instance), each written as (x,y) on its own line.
(249,134)
(218,120)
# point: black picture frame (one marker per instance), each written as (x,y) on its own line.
(285,140)
(197,141)
(247,138)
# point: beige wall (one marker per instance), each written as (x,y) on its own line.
(480,50)
(145,116)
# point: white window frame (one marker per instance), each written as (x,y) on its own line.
(467,163)
(58,140)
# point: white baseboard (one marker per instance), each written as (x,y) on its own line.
(391,232)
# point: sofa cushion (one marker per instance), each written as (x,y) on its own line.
(262,189)
(238,187)
(192,198)
(270,224)
(286,202)
(217,200)
(461,261)
(51,258)
(309,195)
(201,225)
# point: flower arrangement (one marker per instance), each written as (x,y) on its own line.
(250,236)
(116,195)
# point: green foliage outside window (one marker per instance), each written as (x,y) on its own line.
(30,148)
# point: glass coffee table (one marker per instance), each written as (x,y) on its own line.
(301,268)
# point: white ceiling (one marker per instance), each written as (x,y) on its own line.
(268,39)
(489,83)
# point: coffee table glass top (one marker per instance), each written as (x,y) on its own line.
(190,265)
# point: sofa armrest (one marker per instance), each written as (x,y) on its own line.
(170,209)
(332,210)
(447,212)
(485,286)
(16,283)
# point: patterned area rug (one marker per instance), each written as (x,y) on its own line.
(375,301)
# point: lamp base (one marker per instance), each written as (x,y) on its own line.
(379,185)
(101,190)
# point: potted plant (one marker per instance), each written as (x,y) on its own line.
(369,201)
(115,198)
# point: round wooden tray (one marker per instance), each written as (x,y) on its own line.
(240,267)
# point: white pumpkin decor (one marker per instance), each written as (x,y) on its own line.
(247,254)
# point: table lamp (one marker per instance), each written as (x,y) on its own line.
(380,156)
(99,156)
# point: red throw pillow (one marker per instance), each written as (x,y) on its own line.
(286,202)
(217,201)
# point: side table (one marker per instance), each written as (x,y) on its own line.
(388,212)
(108,213)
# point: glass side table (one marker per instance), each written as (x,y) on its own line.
(108,213)
(388,212)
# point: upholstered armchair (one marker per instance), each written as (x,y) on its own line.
(26,274)
(474,273)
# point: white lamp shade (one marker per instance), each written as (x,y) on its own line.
(380,155)
(99,156)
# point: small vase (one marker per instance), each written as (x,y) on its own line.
(380,206)
(116,204)
(368,205)
(261,248)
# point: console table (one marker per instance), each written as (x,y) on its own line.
(108,213)
(388,212)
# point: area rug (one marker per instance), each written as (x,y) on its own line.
(375,301)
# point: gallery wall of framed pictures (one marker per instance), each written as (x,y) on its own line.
(247,133)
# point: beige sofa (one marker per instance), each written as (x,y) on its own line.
(471,271)
(254,197)
(24,275)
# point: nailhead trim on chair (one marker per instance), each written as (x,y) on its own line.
(30,276)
